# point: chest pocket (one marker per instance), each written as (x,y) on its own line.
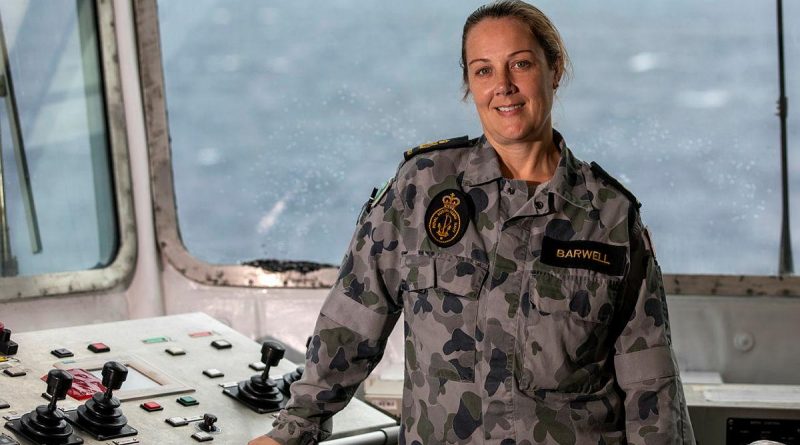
(440,302)
(564,327)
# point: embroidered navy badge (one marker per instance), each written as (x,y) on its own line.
(447,217)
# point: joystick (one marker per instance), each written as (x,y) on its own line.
(7,347)
(101,416)
(46,424)
(208,423)
(260,392)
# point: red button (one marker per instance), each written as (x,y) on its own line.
(99,347)
(201,334)
(151,406)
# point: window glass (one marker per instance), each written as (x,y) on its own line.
(283,116)
(53,99)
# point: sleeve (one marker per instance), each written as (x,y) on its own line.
(353,325)
(645,365)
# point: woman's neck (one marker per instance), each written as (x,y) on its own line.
(531,161)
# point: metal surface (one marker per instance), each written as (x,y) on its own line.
(237,423)
(785,263)
(118,273)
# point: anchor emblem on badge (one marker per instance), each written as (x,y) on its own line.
(447,217)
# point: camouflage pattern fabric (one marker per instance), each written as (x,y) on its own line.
(545,323)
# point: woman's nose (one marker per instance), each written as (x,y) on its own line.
(505,86)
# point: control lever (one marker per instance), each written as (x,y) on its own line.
(208,423)
(7,347)
(46,425)
(261,392)
(101,415)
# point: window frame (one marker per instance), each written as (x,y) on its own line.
(119,272)
(173,249)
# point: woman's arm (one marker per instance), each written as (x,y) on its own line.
(352,329)
(645,365)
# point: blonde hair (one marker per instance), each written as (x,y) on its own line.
(540,26)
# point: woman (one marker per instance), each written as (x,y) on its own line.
(533,305)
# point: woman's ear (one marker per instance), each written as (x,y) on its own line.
(556,77)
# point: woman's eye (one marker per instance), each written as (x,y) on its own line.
(522,64)
(483,71)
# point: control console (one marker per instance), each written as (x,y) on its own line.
(169,380)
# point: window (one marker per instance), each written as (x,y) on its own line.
(283,116)
(63,218)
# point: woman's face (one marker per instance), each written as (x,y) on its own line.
(510,81)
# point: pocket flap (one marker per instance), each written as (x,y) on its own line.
(586,295)
(453,274)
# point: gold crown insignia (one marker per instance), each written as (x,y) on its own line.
(450,201)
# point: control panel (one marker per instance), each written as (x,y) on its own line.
(169,380)
(741,414)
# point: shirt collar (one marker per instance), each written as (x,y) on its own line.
(568,181)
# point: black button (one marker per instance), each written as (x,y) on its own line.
(14,372)
(201,436)
(511,190)
(221,344)
(62,352)
(175,351)
(4,404)
(213,373)
(538,205)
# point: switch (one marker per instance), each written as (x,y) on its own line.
(14,372)
(98,347)
(208,423)
(257,366)
(213,373)
(177,421)
(221,344)
(151,406)
(175,351)
(202,436)
(62,352)
(187,401)
(156,340)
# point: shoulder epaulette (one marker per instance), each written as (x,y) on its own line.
(598,171)
(436,145)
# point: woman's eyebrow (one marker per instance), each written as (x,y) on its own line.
(510,55)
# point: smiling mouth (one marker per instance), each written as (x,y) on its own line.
(509,108)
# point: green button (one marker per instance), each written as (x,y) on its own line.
(156,340)
(188,401)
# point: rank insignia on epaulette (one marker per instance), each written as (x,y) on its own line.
(436,145)
(374,198)
(378,192)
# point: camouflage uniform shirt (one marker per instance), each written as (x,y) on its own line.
(528,319)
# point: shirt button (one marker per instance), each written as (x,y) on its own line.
(538,205)
(511,190)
